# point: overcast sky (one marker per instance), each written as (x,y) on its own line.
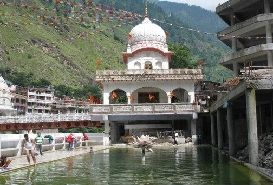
(207,4)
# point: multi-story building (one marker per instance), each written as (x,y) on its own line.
(40,100)
(19,103)
(249,33)
(244,112)
(153,94)
(68,105)
(5,99)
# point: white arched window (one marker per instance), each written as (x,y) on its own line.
(158,65)
(148,65)
(137,65)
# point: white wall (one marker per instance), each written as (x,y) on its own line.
(151,56)
(10,144)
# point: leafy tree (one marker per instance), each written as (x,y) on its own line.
(182,57)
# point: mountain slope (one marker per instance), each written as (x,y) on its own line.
(62,51)
(194,16)
(65,44)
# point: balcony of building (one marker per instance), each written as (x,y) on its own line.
(159,108)
(254,56)
(254,31)
(148,74)
(243,9)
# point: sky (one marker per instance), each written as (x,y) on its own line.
(207,4)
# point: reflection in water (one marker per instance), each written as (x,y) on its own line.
(143,160)
(30,175)
(183,165)
(69,164)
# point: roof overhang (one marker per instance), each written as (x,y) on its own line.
(127,55)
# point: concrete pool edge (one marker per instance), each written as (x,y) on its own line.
(262,171)
(80,151)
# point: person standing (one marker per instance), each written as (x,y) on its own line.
(29,145)
(39,143)
(70,140)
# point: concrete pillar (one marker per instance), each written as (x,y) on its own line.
(266,6)
(212,123)
(270,58)
(234,44)
(53,143)
(268,32)
(106,98)
(194,131)
(236,68)
(251,117)
(169,95)
(233,39)
(231,134)
(114,132)
(106,126)
(219,129)
(128,97)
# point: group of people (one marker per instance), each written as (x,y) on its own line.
(31,147)
(72,140)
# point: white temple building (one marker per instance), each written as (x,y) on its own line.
(155,94)
(5,99)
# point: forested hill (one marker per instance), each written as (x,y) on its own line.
(64,44)
(194,16)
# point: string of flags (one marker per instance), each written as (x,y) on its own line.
(110,15)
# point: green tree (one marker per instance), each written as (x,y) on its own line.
(182,57)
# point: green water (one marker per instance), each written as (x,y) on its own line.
(185,165)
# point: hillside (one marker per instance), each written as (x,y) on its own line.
(194,16)
(67,49)
(63,51)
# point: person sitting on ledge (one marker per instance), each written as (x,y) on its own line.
(4,162)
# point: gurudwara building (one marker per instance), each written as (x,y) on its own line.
(148,96)
(5,99)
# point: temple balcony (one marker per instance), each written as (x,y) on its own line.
(133,109)
(151,75)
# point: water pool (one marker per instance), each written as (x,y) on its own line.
(184,165)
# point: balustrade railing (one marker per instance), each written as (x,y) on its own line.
(104,109)
(144,108)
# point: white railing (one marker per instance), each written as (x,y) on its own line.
(144,108)
(149,71)
(10,144)
(114,109)
(38,118)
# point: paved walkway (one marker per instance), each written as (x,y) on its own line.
(21,162)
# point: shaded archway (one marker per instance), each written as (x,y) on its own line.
(158,65)
(149,95)
(137,65)
(118,96)
(180,95)
(148,65)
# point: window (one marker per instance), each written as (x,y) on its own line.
(137,65)
(158,65)
(148,65)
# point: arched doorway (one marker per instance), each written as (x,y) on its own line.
(149,95)
(180,95)
(118,96)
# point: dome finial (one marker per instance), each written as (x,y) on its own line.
(146,8)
